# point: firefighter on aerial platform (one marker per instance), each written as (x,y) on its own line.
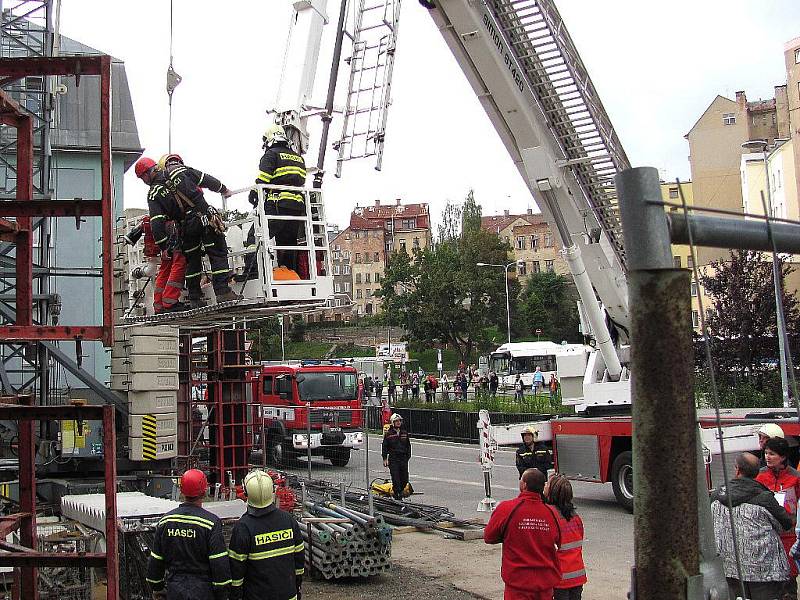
(266,550)
(171,270)
(188,559)
(176,194)
(532,454)
(280,165)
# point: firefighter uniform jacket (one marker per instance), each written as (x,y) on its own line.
(536,456)
(267,555)
(175,192)
(281,165)
(396,445)
(189,542)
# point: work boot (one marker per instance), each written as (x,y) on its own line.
(226,296)
(197,302)
(175,308)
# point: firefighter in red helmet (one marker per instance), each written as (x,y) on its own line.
(188,558)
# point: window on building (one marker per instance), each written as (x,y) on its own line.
(389,247)
(535,268)
(676,261)
(673,193)
(337,255)
(797,56)
(377,257)
(369,293)
(369,309)
(534,242)
(336,269)
(728,118)
(337,247)
(695,319)
(347,236)
(358,234)
(367,277)
(403,245)
(521,268)
(346,287)
(347,269)
(694,289)
(409,223)
(377,277)
(358,258)
(549,266)
(337,287)
(358,277)
(689,262)
(520,242)
(548,240)
(416,243)
(358,295)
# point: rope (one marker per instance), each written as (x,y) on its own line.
(173,80)
(714,393)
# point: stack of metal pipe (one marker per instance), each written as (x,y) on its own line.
(343,542)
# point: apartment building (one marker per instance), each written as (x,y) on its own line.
(532,242)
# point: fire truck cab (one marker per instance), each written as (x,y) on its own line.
(294,399)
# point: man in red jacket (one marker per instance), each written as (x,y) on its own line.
(529,532)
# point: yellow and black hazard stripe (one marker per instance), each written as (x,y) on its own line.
(148,437)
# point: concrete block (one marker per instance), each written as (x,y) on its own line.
(145,363)
(142,403)
(151,344)
(147,449)
(144,382)
(153,425)
(148,330)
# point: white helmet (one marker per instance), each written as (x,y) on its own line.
(771,430)
(259,487)
(274,133)
(395,417)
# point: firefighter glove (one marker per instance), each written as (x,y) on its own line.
(215,220)
(253,198)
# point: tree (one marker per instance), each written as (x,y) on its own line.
(742,317)
(440,295)
(549,302)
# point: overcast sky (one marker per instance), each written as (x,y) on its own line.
(656,65)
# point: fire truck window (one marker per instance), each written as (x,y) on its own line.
(327,386)
(268,386)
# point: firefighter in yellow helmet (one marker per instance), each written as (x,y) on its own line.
(266,549)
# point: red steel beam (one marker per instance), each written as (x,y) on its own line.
(31,560)
(62,65)
(24,257)
(10,523)
(107,200)
(110,460)
(52,332)
(67,412)
(51,208)
(27,496)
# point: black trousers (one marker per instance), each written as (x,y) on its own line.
(199,239)
(398,467)
(188,587)
(573,593)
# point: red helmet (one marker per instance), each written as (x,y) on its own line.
(194,483)
(143,166)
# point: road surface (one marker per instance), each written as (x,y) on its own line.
(446,474)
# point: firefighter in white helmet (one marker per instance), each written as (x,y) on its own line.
(266,551)
(532,454)
(396,452)
(765,433)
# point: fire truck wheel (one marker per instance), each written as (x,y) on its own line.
(622,479)
(278,454)
(339,457)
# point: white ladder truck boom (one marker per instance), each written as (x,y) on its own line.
(530,80)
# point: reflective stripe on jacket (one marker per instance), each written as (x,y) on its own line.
(570,553)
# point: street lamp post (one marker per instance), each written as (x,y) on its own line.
(761,146)
(508,297)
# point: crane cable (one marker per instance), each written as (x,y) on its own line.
(173,80)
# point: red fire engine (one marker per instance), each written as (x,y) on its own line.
(316,397)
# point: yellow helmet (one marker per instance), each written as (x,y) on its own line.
(274,133)
(530,430)
(259,487)
(168,159)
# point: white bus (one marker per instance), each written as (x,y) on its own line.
(522,358)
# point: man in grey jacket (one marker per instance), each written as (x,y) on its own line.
(758,519)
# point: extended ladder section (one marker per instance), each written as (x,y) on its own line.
(373,32)
(527,74)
